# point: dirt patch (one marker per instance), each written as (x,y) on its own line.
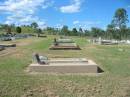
(42,91)
(8,51)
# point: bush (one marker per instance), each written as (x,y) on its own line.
(18,30)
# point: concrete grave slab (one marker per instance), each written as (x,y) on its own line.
(8,45)
(64,44)
(65,65)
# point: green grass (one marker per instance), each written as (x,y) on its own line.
(114,82)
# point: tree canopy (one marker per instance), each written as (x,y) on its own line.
(119,21)
(120,18)
(34,25)
(18,29)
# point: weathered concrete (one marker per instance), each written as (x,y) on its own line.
(66,65)
(64,44)
(2,48)
(64,48)
(8,45)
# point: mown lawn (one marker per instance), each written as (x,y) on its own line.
(114,82)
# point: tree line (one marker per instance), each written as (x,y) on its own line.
(117,29)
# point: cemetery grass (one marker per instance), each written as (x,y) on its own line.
(113,82)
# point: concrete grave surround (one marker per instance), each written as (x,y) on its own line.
(64,44)
(2,48)
(8,45)
(8,37)
(65,65)
(110,42)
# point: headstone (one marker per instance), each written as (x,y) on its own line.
(100,40)
(40,59)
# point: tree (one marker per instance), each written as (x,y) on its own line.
(74,31)
(27,29)
(120,20)
(50,30)
(87,33)
(34,25)
(13,27)
(18,29)
(65,30)
(124,31)
(128,32)
(97,32)
(4,27)
(80,31)
(110,31)
(9,30)
(39,31)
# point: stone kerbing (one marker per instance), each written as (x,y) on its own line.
(65,66)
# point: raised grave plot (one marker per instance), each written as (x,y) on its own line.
(108,42)
(105,42)
(64,65)
(64,48)
(67,44)
(2,48)
(65,41)
(8,45)
(64,44)
(42,35)
(13,37)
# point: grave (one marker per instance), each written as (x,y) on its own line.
(64,44)
(64,40)
(8,45)
(6,37)
(42,35)
(108,42)
(2,48)
(62,65)
(105,42)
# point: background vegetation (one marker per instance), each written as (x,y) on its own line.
(117,29)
